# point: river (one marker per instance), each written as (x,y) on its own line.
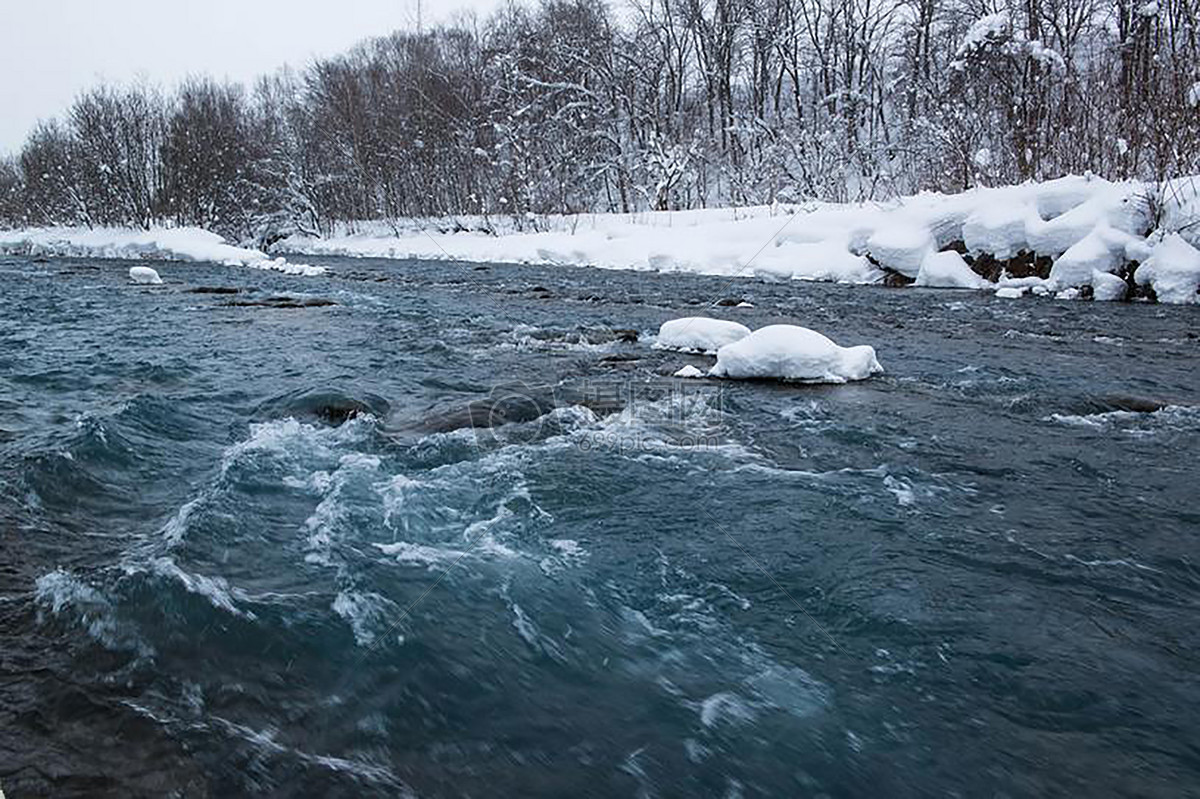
(247,547)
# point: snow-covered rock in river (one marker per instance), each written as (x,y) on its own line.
(999,228)
(948,270)
(1107,287)
(902,248)
(1173,271)
(1010,292)
(689,371)
(1103,250)
(698,334)
(144,274)
(789,352)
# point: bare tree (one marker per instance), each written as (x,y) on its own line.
(566,106)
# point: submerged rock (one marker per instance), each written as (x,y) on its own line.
(214,290)
(1023,264)
(1119,402)
(521,403)
(893,279)
(328,406)
(282,302)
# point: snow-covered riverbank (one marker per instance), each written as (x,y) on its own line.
(1076,236)
(173,244)
(1059,236)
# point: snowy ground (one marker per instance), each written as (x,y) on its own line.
(174,244)
(1091,227)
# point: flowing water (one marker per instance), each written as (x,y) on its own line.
(247,547)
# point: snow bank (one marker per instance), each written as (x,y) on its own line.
(144,274)
(174,244)
(1173,271)
(698,334)
(1083,224)
(789,352)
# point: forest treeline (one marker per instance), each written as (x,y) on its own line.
(568,106)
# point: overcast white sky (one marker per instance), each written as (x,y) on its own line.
(52,49)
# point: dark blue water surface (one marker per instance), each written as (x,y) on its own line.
(247,548)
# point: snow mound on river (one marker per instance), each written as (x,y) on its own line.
(790,352)
(1083,224)
(698,334)
(144,274)
(174,244)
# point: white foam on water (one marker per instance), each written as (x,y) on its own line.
(434,521)
(569,548)
(295,444)
(901,489)
(68,596)
(725,708)
(531,634)
(177,526)
(566,553)
(906,490)
(684,642)
(217,590)
(529,338)
(1126,563)
(329,522)
(687,423)
(1172,418)
(369,614)
(1096,420)
(420,554)
(264,741)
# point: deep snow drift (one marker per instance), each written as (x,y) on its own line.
(174,244)
(1086,225)
(790,352)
